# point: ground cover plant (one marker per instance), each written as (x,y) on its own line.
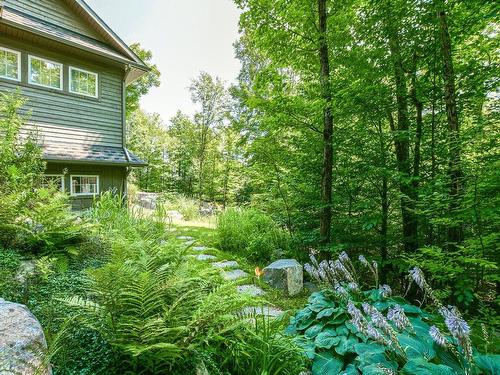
(348,329)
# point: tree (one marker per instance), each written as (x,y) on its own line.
(141,86)
(210,95)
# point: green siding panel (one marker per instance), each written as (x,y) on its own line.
(61,116)
(110,179)
(55,12)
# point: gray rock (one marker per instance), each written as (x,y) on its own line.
(176,215)
(187,238)
(226,264)
(250,289)
(22,342)
(285,274)
(262,310)
(205,257)
(25,271)
(200,248)
(147,200)
(234,274)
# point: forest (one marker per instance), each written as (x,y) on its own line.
(360,140)
(369,126)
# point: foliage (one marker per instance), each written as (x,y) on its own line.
(143,84)
(392,336)
(262,348)
(252,234)
(187,207)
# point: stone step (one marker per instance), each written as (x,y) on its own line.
(205,257)
(262,310)
(187,238)
(200,248)
(234,274)
(226,264)
(250,289)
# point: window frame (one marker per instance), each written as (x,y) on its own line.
(61,76)
(63,187)
(19,70)
(71,68)
(84,194)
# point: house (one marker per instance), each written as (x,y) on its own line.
(73,69)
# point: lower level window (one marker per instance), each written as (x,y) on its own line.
(84,185)
(53,181)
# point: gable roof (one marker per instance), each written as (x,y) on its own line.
(111,45)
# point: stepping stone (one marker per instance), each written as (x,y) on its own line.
(188,243)
(188,238)
(265,310)
(234,274)
(250,289)
(200,248)
(205,257)
(226,264)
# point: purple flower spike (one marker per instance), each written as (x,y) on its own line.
(437,336)
(418,276)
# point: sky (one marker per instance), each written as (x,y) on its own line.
(185,37)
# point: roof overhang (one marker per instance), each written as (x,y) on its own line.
(120,52)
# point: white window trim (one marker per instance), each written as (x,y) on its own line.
(60,88)
(71,68)
(19,72)
(83,175)
(57,175)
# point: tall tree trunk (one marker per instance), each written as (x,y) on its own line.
(455,231)
(326,177)
(401,138)
(384,205)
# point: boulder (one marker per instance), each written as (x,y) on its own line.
(22,342)
(285,274)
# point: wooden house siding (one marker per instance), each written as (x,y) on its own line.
(55,12)
(61,116)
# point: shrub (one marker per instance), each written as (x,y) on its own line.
(347,330)
(188,207)
(252,234)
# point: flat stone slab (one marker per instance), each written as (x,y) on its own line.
(200,248)
(187,238)
(205,257)
(234,274)
(262,310)
(226,264)
(285,274)
(250,289)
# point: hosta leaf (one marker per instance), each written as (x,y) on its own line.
(318,302)
(342,330)
(346,345)
(325,313)
(350,370)
(375,369)
(326,339)
(410,309)
(414,347)
(326,363)
(362,348)
(420,366)
(489,364)
(306,345)
(313,331)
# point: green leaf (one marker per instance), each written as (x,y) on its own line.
(342,330)
(346,345)
(374,369)
(313,331)
(414,347)
(325,313)
(318,302)
(350,370)
(327,339)
(420,366)
(490,364)
(306,345)
(326,363)
(363,348)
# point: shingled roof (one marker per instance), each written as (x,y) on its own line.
(91,154)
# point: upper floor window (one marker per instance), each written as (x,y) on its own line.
(82,82)
(45,73)
(10,64)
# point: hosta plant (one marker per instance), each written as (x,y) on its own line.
(347,330)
